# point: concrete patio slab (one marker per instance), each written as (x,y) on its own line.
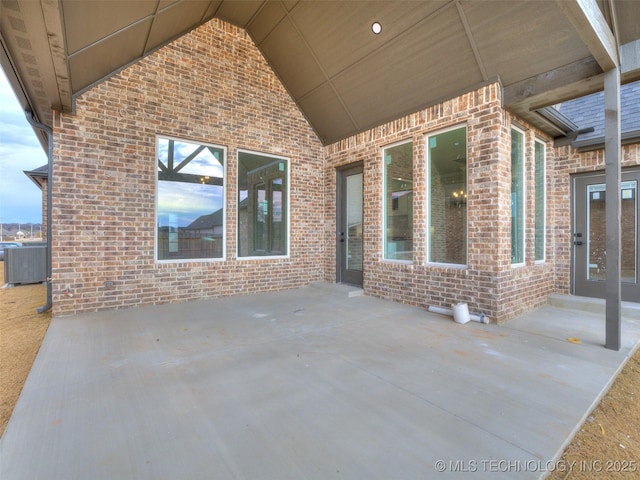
(313,383)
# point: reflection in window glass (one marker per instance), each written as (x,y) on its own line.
(398,202)
(190,200)
(262,205)
(629,242)
(597,235)
(261,209)
(596,238)
(277,226)
(448,197)
(540,201)
(355,215)
(517,196)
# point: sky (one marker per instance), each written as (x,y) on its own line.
(20,150)
(20,198)
(181,203)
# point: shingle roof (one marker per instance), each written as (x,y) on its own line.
(207,221)
(37,175)
(43,170)
(589,112)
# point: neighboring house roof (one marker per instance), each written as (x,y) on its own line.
(207,222)
(38,176)
(589,112)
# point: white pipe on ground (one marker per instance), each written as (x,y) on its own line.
(481,318)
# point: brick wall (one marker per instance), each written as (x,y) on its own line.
(210,86)
(488,283)
(213,86)
(45,206)
(569,162)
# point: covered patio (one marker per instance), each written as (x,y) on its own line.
(312,383)
(348,68)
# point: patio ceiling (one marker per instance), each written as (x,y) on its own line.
(344,78)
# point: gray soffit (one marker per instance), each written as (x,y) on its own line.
(344,78)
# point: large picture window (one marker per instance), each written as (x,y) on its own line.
(517,197)
(398,202)
(262,205)
(190,200)
(540,201)
(447,185)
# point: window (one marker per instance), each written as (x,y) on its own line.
(517,196)
(398,202)
(540,200)
(190,200)
(447,193)
(262,205)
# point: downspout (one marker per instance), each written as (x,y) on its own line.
(49,131)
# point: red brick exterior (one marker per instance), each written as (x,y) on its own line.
(489,284)
(45,205)
(570,162)
(213,86)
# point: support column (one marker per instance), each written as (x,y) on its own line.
(613,206)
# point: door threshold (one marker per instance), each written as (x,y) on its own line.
(630,310)
(351,291)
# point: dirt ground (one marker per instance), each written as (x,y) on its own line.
(21,333)
(607,446)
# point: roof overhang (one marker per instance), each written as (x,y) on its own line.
(627,138)
(344,78)
(38,176)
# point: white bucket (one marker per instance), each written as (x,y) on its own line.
(460,313)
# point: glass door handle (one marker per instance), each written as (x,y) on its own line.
(577,235)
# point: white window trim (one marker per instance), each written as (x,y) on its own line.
(524,194)
(428,195)
(224,204)
(263,257)
(384,203)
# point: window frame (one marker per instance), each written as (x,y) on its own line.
(287,209)
(223,255)
(385,203)
(543,227)
(428,195)
(522,209)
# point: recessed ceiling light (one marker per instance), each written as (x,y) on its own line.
(376,27)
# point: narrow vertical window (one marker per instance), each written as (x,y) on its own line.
(447,185)
(540,200)
(398,202)
(190,200)
(262,205)
(517,196)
